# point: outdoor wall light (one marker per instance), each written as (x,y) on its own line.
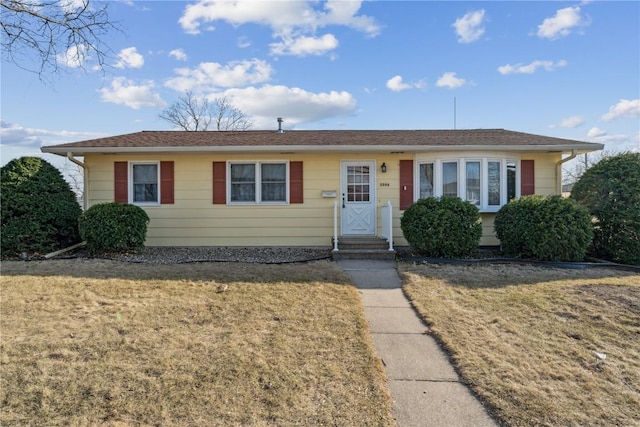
(383,168)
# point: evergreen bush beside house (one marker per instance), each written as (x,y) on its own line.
(114,227)
(610,190)
(39,210)
(446,227)
(545,228)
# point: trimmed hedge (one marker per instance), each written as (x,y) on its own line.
(39,210)
(610,190)
(544,228)
(446,227)
(114,227)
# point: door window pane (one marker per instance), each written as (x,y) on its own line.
(450,179)
(473,182)
(426,180)
(358,189)
(494,183)
(145,183)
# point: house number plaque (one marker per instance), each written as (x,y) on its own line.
(385,184)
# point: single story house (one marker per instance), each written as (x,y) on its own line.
(302,188)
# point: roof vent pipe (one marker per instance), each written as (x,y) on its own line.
(280,125)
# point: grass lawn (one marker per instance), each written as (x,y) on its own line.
(525,337)
(91,342)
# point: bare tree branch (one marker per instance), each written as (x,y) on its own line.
(193,113)
(51,32)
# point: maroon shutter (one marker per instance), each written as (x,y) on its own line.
(120,184)
(296,188)
(527,178)
(406,184)
(166,183)
(219,183)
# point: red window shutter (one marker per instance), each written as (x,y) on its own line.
(166,183)
(296,190)
(527,177)
(219,183)
(120,182)
(406,184)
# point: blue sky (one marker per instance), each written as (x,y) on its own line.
(565,69)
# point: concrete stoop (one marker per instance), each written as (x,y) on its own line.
(373,248)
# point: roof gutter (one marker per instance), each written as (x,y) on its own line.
(85,179)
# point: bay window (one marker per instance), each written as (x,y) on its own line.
(485,182)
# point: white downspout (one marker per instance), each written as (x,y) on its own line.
(573,155)
(85,179)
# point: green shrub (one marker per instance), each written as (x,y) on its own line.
(544,228)
(610,190)
(114,227)
(39,210)
(446,227)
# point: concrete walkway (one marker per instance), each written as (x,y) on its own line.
(425,389)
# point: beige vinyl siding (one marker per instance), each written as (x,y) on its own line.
(193,220)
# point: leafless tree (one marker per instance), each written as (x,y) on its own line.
(51,31)
(196,113)
(573,170)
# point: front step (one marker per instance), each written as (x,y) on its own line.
(363,248)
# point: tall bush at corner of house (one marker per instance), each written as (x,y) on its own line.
(610,190)
(114,227)
(446,227)
(39,210)
(548,228)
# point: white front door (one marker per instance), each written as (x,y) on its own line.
(359,197)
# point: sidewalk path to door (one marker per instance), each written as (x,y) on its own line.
(425,389)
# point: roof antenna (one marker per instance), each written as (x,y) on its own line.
(454,113)
(280,125)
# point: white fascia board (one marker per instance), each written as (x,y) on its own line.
(79,151)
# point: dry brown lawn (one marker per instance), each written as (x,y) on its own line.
(90,342)
(525,338)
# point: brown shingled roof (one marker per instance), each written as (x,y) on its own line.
(319,139)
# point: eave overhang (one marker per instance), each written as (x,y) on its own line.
(318,149)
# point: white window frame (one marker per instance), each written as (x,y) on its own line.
(130,183)
(462,178)
(258,182)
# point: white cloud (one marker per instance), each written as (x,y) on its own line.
(624,108)
(570,122)
(126,92)
(212,76)
(449,80)
(178,54)
(470,27)
(595,132)
(303,46)
(396,84)
(14,134)
(129,58)
(264,104)
(531,67)
(561,24)
(289,20)
(18,141)
(74,57)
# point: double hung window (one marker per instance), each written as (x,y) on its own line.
(145,183)
(258,182)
